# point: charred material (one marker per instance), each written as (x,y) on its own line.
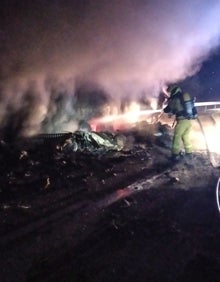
(77,215)
(105,141)
(94,142)
(81,141)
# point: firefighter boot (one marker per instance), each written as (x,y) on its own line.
(175,158)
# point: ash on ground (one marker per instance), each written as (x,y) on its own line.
(107,207)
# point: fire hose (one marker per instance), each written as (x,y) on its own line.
(206,141)
(217,194)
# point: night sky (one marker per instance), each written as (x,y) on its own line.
(126,49)
(205,85)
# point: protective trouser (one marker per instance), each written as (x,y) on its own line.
(182,135)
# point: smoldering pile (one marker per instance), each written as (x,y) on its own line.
(53,160)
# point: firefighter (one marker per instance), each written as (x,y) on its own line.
(182,106)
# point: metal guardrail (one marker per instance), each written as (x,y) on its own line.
(201,107)
(207,106)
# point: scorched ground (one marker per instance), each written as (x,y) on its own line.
(127,215)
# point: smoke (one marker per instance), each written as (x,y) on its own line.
(123,49)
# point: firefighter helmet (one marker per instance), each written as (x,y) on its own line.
(173,90)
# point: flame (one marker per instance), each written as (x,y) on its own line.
(116,120)
(206,138)
(153,104)
(132,112)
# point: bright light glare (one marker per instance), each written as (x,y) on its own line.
(205,136)
(212,138)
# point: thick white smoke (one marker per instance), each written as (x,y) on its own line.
(126,48)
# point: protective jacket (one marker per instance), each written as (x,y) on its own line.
(182,106)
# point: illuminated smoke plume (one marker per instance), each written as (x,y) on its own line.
(51,51)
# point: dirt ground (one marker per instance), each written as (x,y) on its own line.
(121,216)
